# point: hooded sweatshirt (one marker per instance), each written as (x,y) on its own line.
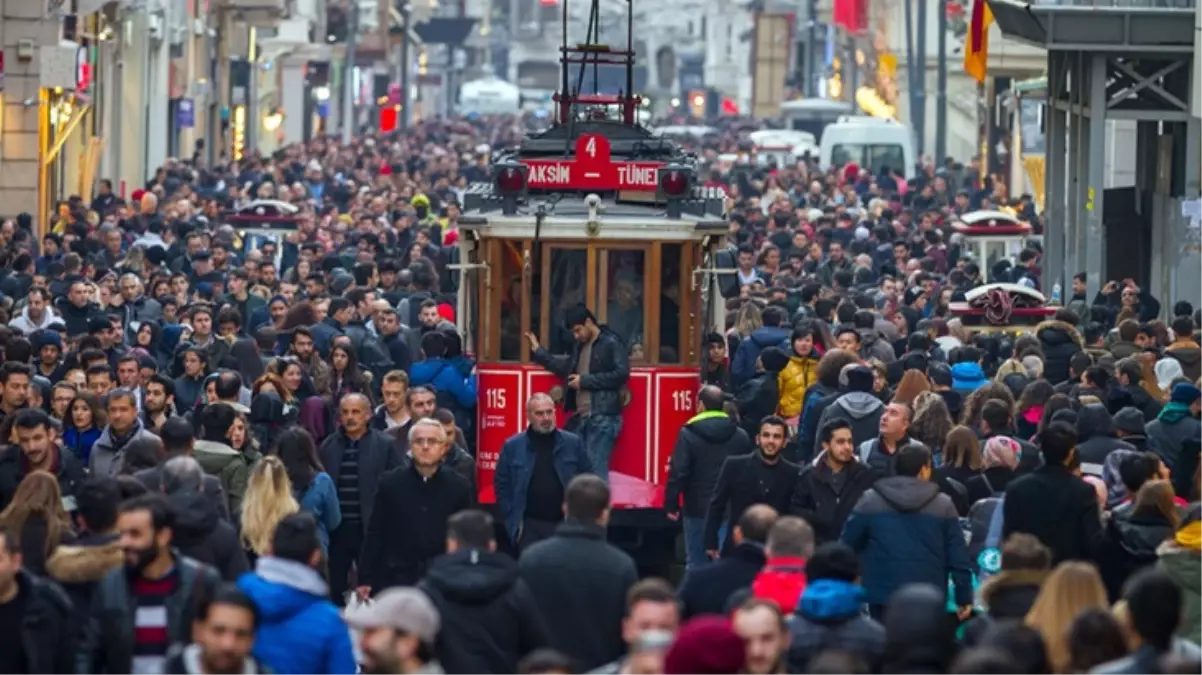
(967,377)
(862,409)
(1189,355)
(300,630)
(230,466)
(830,615)
(742,367)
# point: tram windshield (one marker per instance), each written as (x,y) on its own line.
(633,288)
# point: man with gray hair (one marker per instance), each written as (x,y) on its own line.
(199,532)
(137,307)
(533,470)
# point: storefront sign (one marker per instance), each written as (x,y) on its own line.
(185,114)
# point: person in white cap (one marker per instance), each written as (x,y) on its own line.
(398,630)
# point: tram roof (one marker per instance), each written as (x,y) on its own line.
(570,217)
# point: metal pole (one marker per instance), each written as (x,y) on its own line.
(406,67)
(853,69)
(941,92)
(911,91)
(920,80)
(348,103)
(809,87)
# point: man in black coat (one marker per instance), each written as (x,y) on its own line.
(829,488)
(579,580)
(199,532)
(1053,504)
(488,613)
(762,477)
(35,615)
(703,445)
(177,440)
(408,524)
(36,451)
(356,458)
(707,589)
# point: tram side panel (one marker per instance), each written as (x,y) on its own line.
(661,402)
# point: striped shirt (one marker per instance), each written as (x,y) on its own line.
(348,483)
(151,640)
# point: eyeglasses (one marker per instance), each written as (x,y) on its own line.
(425,442)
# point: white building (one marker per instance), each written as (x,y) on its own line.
(729,24)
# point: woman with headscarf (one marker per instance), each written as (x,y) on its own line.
(1131,541)
(999,466)
(1168,371)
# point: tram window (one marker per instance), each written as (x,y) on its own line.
(669,304)
(621,303)
(994,251)
(569,269)
(511,301)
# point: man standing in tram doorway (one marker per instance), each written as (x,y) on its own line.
(594,373)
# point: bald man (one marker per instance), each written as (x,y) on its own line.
(356,457)
(702,446)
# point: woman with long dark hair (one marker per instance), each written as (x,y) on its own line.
(83,424)
(311,485)
(347,377)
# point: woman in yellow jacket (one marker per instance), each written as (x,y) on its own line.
(802,371)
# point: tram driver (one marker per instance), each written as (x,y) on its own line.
(594,373)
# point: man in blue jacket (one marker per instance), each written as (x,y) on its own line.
(300,630)
(773,334)
(906,532)
(533,471)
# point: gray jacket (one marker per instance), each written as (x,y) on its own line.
(108,455)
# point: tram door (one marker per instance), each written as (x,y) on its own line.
(639,290)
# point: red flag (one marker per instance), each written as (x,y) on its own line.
(852,15)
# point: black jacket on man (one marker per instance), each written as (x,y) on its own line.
(489,617)
(377,455)
(108,641)
(408,525)
(743,481)
(579,582)
(608,370)
(822,505)
(13,467)
(1059,509)
(702,446)
(203,536)
(48,637)
(706,589)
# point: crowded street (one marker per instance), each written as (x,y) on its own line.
(444,381)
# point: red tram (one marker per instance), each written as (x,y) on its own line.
(598,210)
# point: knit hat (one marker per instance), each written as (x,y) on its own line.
(940,374)
(706,644)
(1186,393)
(1000,451)
(97,324)
(447,312)
(1167,370)
(49,337)
(774,359)
(1129,420)
(912,295)
(860,378)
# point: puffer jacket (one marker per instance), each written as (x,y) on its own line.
(794,381)
(1189,355)
(742,366)
(1096,438)
(782,580)
(703,444)
(861,409)
(1184,566)
(1059,341)
(1130,544)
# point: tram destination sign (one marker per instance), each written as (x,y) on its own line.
(592,169)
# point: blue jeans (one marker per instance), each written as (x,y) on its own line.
(598,433)
(694,540)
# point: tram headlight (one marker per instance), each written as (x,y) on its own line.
(510,180)
(675,182)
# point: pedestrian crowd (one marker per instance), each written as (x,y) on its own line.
(227,453)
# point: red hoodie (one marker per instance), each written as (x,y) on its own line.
(782,580)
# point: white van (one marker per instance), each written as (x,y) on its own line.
(870,142)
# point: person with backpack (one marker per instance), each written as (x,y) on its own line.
(1007,595)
